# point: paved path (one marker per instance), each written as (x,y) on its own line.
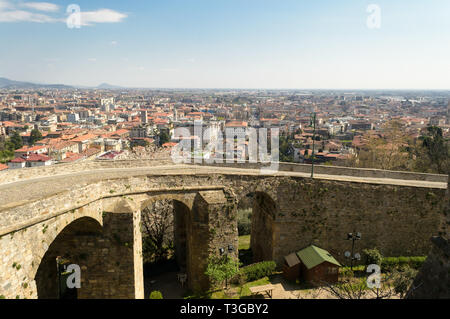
(36,188)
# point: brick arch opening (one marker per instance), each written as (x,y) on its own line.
(75,244)
(263,211)
(178,232)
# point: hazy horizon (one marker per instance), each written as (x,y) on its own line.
(273,45)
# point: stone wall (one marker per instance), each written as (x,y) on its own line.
(339,171)
(396,219)
(22,251)
(8,176)
(13,175)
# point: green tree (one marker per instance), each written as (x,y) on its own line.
(163,138)
(221,268)
(35,136)
(16,140)
(286,154)
(436,149)
(6,150)
(156,294)
(372,256)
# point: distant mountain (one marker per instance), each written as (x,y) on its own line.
(107,86)
(11,84)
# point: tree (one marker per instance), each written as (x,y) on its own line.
(387,150)
(286,154)
(156,294)
(16,140)
(163,138)
(393,284)
(436,149)
(6,150)
(221,268)
(403,281)
(157,223)
(35,136)
(372,256)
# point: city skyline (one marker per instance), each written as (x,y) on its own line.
(250,45)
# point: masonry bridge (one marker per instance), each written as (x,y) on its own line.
(90,213)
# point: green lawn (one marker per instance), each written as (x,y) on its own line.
(244,242)
(236,291)
(245,291)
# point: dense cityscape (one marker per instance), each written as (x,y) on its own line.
(43,126)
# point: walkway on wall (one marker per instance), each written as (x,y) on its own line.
(22,192)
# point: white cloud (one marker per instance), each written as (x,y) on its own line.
(92,59)
(41,6)
(20,16)
(101,16)
(5,5)
(20,12)
(114,43)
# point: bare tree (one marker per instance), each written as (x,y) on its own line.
(386,150)
(395,284)
(158,225)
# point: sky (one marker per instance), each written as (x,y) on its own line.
(278,44)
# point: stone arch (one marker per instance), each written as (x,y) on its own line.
(185,198)
(182,224)
(264,213)
(76,243)
(47,231)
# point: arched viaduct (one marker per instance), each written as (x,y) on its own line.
(92,217)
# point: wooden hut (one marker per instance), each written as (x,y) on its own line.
(291,267)
(318,266)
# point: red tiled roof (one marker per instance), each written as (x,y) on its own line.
(38,158)
(84,137)
(18,160)
(62,145)
(169,144)
(30,148)
(72,158)
(236,124)
(90,151)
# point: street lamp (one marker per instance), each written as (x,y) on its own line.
(313,124)
(222,253)
(353,237)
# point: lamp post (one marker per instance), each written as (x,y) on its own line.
(353,237)
(222,252)
(313,124)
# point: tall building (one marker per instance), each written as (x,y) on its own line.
(144,117)
(107,104)
(448,112)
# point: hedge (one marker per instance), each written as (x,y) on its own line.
(156,294)
(259,270)
(392,263)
